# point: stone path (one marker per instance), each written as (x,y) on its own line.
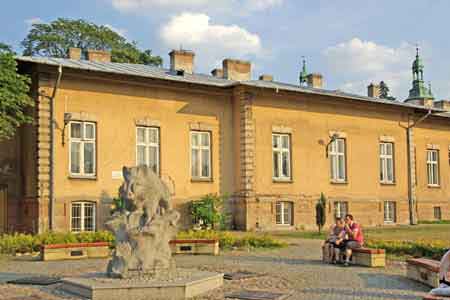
(296,269)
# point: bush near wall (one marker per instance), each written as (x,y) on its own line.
(22,243)
(25,243)
(229,240)
(435,249)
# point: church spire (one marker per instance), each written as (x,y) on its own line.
(419,90)
(303,74)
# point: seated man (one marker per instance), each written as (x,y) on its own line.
(355,237)
(444,270)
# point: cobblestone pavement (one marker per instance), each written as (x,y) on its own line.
(296,269)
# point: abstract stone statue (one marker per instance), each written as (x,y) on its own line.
(143,227)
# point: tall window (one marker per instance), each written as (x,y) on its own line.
(147,147)
(437,213)
(390,212)
(386,162)
(337,160)
(201,154)
(82,149)
(340,209)
(281,156)
(284,213)
(433,167)
(83,216)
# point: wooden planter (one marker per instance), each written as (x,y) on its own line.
(75,251)
(369,257)
(209,247)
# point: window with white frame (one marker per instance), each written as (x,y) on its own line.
(433,167)
(284,212)
(340,209)
(83,216)
(82,148)
(201,154)
(386,162)
(281,156)
(147,147)
(337,160)
(390,212)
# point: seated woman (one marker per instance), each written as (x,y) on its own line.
(444,278)
(335,239)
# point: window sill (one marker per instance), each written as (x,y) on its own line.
(387,183)
(201,180)
(82,177)
(434,186)
(279,180)
(338,181)
(389,223)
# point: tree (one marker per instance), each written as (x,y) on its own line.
(14,98)
(55,39)
(384,91)
(321,212)
(4,48)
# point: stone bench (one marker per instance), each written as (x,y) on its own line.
(199,246)
(423,270)
(364,256)
(369,257)
(75,251)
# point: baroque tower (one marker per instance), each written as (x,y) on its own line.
(420,94)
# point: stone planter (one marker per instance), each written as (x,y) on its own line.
(75,251)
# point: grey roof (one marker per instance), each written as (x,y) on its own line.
(165,74)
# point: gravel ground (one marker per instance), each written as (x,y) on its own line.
(296,270)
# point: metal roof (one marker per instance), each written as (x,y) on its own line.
(165,74)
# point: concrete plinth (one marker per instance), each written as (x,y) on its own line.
(99,287)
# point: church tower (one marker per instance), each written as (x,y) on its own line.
(419,94)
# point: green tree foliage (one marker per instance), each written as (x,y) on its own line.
(14,98)
(55,39)
(384,91)
(321,212)
(209,211)
(4,48)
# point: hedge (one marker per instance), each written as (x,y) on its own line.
(435,249)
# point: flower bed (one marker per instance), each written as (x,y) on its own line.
(434,249)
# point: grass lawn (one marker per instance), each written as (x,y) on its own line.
(429,232)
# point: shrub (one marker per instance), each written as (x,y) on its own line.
(435,249)
(209,211)
(321,212)
(228,240)
(435,222)
(19,242)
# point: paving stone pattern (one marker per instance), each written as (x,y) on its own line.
(297,269)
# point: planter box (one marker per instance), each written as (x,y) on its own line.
(423,270)
(75,251)
(209,247)
(369,257)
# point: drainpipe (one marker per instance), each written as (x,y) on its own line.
(411,169)
(52,150)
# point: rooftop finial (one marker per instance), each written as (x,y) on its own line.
(417,50)
(303,73)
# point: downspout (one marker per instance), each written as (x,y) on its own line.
(411,168)
(52,150)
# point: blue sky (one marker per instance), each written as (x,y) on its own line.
(351,42)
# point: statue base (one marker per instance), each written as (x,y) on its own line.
(185,283)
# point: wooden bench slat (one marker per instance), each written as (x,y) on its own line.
(429,264)
(369,251)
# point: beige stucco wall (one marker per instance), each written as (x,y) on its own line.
(311,119)
(115,107)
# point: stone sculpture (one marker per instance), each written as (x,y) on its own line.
(143,227)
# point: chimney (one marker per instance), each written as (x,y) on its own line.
(217,73)
(182,60)
(314,80)
(373,90)
(234,69)
(75,53)
(266,77)
(442,104)
(98,56)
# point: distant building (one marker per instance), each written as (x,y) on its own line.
(273,147)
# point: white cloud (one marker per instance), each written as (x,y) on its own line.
(360,62)
(233,6)
(120,31)
(33,21)
(211,42)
